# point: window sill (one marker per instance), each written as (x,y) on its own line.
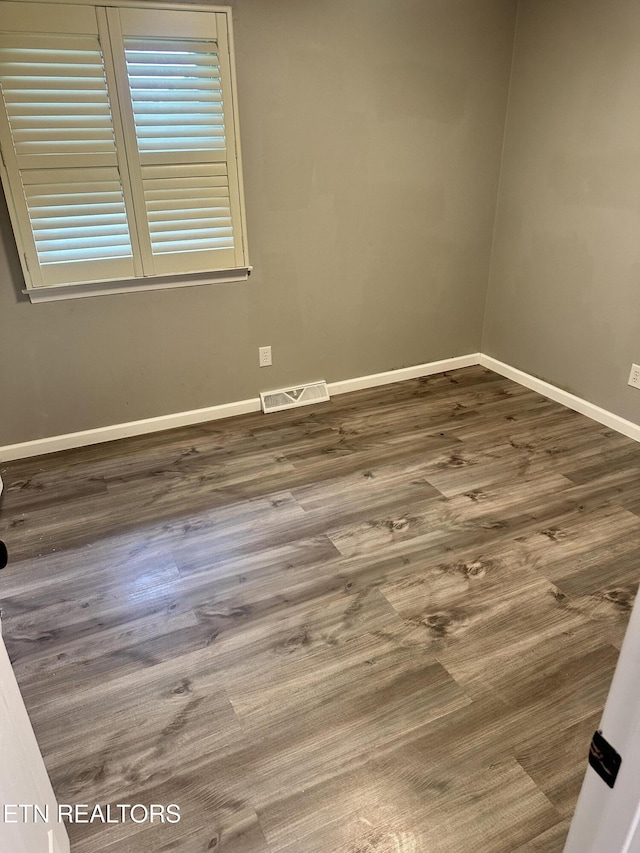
(54,293)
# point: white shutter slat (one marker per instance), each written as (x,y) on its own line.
(69,111)
(172,144)
(187,170)
(178,196)
(92,244)
(98,177)
(31,162)
(77,220)
(174,97)
(150,87)
(203,130)
(48,43)
(87,102)
(99,136)
(185,61)
(29,150)
(83,191)
(94,141)
(163,63)
(82,214)
(65,123)
(193,245)
(171,111)
(158,118)
(216,153)
(188,186)
(78,51)
(193,224)
(42,74)
(75,230)
(171,58)
(31,87)
(114,253)
(189,216)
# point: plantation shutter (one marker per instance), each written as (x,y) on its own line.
(70,207)
(120,153)
(179,129)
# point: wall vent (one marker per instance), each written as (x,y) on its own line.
(291,398)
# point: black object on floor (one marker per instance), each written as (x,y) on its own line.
(4,555)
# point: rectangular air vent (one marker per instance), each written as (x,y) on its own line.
(290,398)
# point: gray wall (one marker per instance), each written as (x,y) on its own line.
(564,292)
(371,134)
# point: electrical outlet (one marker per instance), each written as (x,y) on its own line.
(264,356)
(634,376)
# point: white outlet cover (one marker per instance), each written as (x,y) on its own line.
(264,356)
(634,376)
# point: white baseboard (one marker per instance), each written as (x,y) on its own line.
(390,376)
(602,416)
(55,443)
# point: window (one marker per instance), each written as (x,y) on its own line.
(120,149)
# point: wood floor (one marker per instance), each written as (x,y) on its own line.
(385,624)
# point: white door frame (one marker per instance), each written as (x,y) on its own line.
(23,776)
(22,771)
(607,820)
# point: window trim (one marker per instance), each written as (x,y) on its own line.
(56,292)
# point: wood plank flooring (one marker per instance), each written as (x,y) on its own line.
(385,624)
